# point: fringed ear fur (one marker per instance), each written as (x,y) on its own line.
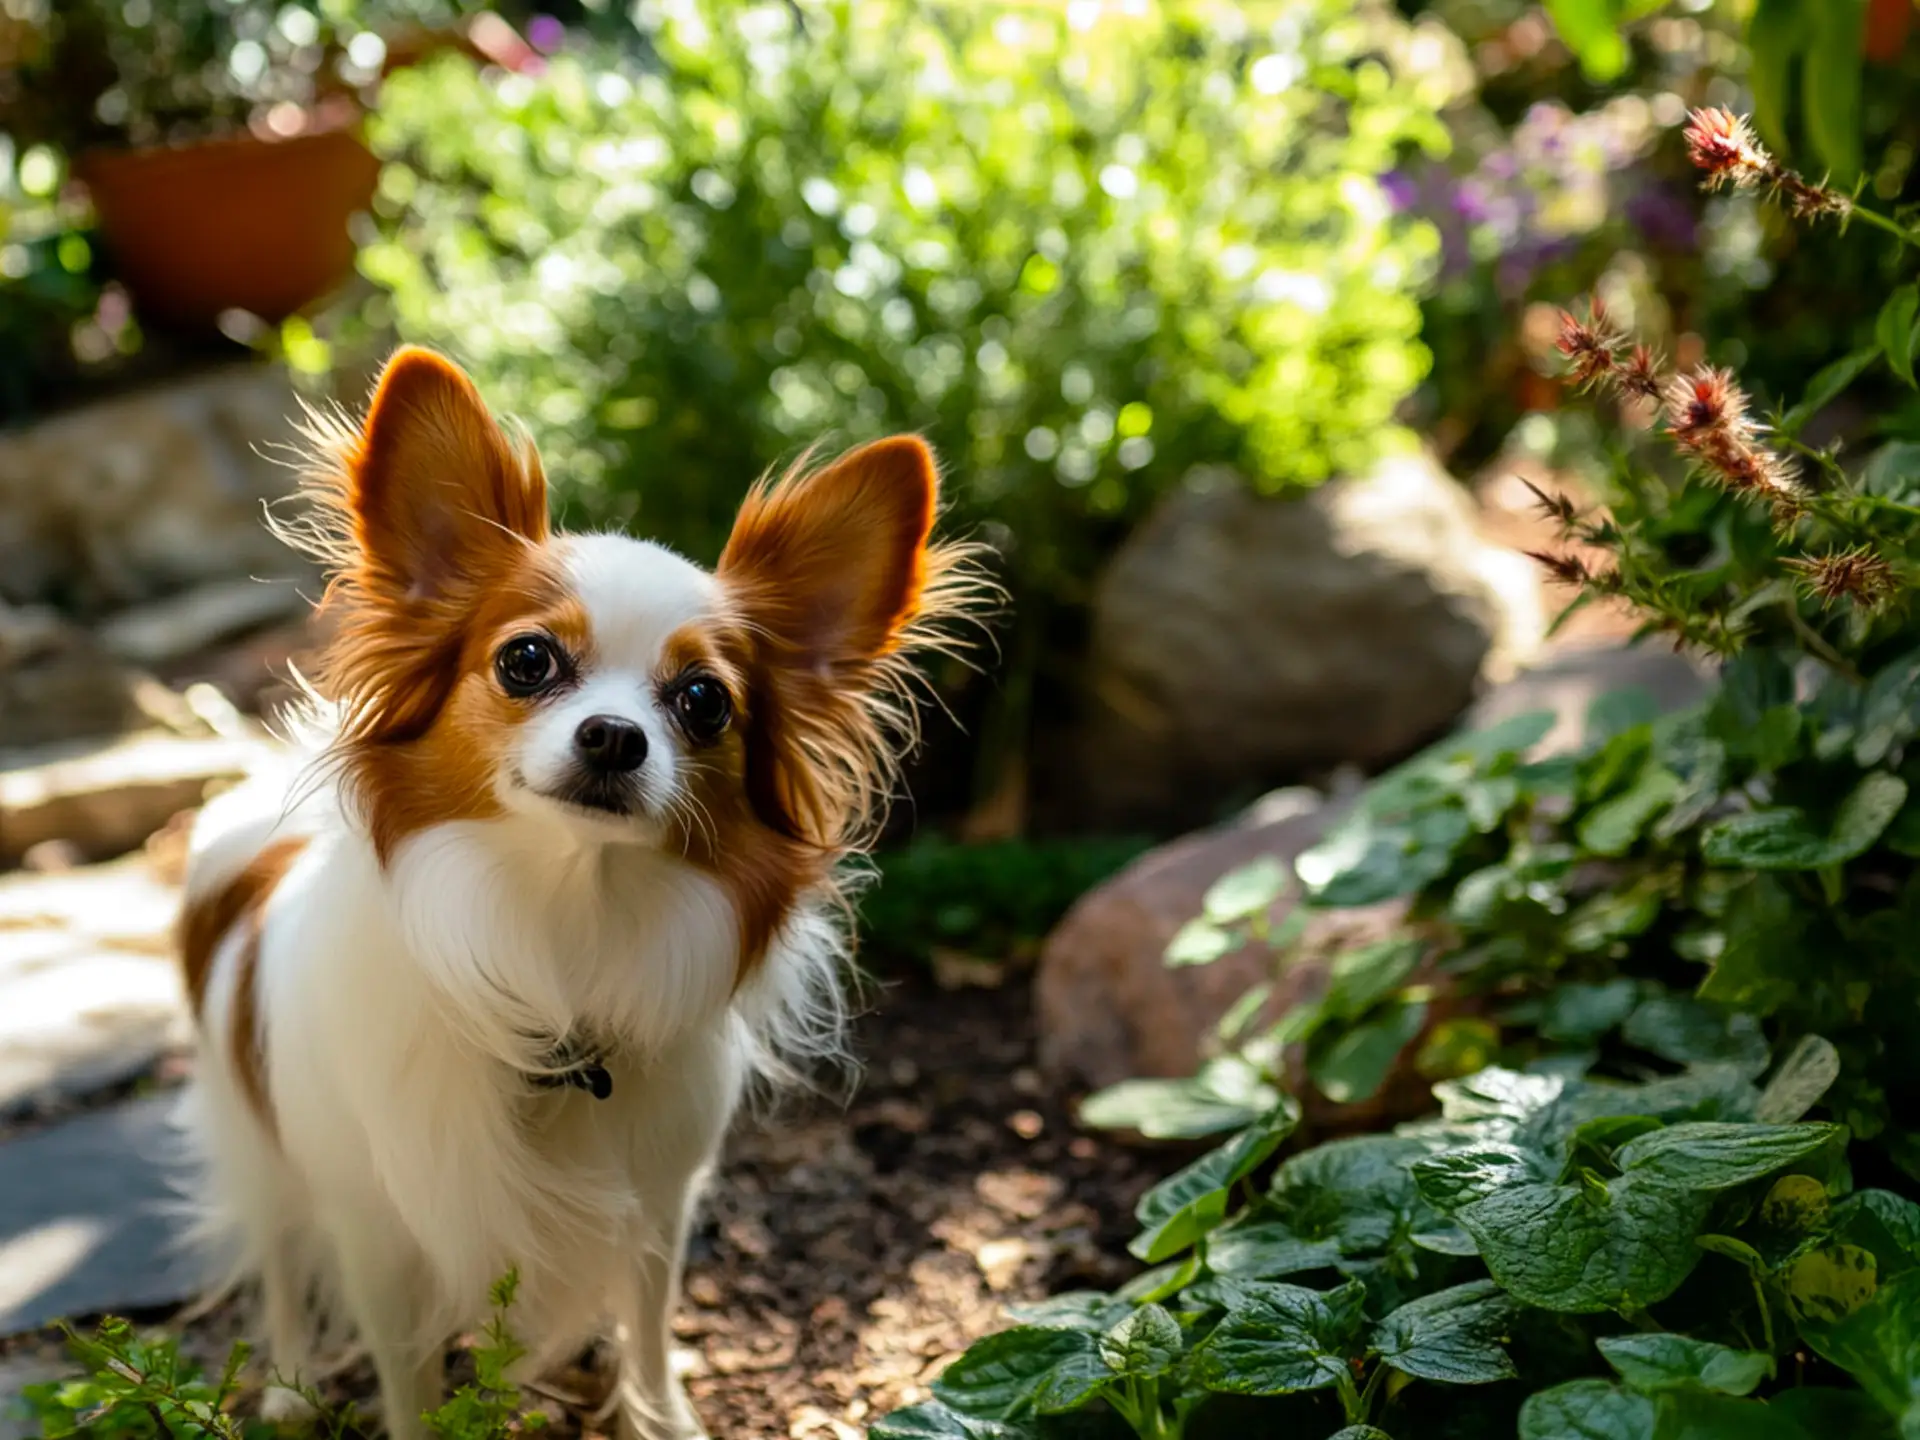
(424,506)
(834,575)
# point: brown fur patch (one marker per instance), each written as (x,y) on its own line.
(447,771)
(249,1039)
(716,825)
(829,572)
(209,919)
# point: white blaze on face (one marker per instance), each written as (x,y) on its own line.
(636,595)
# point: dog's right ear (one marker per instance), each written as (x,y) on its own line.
(428,507)
(434,485)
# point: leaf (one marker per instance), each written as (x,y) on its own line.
(1248,891)
(1587,27)
(1611,827)
(1804,1076)
(1830,81)
(1879,1345)
(1703,1415)
(1267,1250)
(1455,1178)
(1071,1384)
(1595,1141)
(1827,383)
(1198,942)
(1185,1206)
(1737,1251)
(1763,958)
(1091,1310)
(1831,1283)
(1454,1336)
(1894,330)
(1145,1344)
(1576,1014)
(1782,838)
(1796,1204)
(1825,1413)
(1708,1156)
(1357,1064)
(1000,1376)
(1624,1243)
(1610,916)
(1360,977)
(1883,1223)
(1227,1094)
(1355,1192)
(1586,1410)
(1364,862)
(1496,1099)
(1683,1030)
(1651,1363)
(934,1421)
(1162,1282)
(1774,39)
(1280,1340)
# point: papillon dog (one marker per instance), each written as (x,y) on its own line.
(554,876)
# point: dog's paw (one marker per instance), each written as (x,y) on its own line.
(281,1406)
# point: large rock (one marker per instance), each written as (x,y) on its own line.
(57,681)
(1239,643)
(147,493)
(165,632)
(1109,1008)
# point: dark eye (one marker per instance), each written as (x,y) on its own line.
(526,665)
(704,707)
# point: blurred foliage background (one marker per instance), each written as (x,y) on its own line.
(1083,247)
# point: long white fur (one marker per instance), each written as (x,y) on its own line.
(405,1006)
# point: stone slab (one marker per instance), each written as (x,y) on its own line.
(86,1217)
(90,991)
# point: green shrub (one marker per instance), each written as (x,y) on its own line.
(1671,1190)
(993,900)
(1081,250)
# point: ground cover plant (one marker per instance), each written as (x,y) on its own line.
(1667,986)
(135,1385)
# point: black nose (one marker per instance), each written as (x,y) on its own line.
(610,745)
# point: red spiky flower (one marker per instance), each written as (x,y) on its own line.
(1590,345)
(1857,574)
(1722,144)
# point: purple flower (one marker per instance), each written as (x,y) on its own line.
(1471,202)
(545,33)
(1400,190)
(1661,215)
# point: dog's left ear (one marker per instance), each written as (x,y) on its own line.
(829,567)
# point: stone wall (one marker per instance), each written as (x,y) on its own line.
(132,542)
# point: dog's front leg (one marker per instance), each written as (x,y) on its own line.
(381,1280)
(652,1400)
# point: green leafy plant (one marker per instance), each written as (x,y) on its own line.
(1671,1188)
(137,1386)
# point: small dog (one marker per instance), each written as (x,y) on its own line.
(482,978)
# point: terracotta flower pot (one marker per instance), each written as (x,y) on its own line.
(238,222)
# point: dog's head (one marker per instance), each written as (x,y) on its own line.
(486,667)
